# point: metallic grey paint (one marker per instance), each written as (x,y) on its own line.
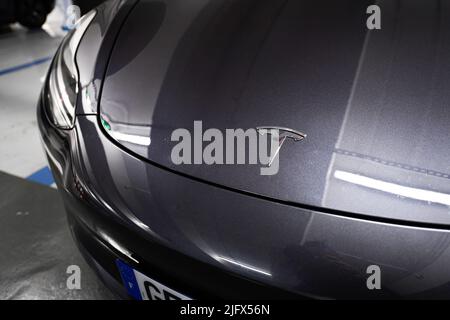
(373,103)
(374,106)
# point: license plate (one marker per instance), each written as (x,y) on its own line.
(142,287)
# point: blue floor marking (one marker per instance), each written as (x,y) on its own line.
(43,176)
(24,66)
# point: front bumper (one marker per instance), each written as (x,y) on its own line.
(209,242)
(102,238)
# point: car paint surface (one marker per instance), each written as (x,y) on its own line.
(373,103)
(373,106)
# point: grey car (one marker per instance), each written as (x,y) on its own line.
(359,208)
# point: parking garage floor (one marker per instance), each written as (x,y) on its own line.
(36,247)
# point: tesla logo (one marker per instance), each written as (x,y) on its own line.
(283,135)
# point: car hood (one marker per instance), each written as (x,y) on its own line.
(374,104)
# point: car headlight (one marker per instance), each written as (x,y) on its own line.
(63,84)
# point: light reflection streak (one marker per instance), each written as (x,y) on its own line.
(407,192)
(242,265)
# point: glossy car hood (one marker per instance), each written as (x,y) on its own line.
(374,104)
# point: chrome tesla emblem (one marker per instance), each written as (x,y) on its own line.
(283,134)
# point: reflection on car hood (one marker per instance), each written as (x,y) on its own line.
(373,103)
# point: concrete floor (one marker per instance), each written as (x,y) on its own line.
(35,243)
(36,247)
(24,60)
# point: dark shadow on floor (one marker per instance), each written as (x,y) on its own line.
(5,29)
(36,246)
